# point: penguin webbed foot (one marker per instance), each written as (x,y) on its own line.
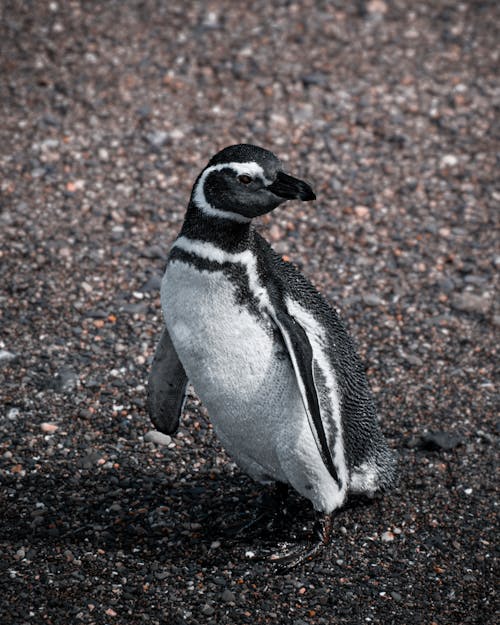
(322,533)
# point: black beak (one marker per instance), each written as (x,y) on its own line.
(291,188)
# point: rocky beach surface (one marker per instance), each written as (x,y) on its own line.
(108,112)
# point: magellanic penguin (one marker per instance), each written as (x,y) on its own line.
(271,361)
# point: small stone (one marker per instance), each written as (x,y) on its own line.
(314,79)
(6,357)
(448,160)
(363,212)
(110,612)
(396,596)
(88,461)
(387,536)
(207,610)
(435,441)
(376,6)
(371,299)
(228,596)
(154,251)
(66,380)
(335,184)
(49,428)
(157,138)
(69,555)
(20,553)
(414,360)
(13,414)
(275,232)
(467,302)
(153,436)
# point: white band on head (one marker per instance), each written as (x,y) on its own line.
(250,168)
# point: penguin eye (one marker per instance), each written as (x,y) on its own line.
(244,179)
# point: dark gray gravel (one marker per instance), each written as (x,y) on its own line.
(108,111)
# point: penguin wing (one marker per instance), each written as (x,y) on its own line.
(301,354)
(167,384)
(284,282)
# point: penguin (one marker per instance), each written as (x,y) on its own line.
(269,358)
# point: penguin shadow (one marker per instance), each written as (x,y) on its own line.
(213,520)
(143,511)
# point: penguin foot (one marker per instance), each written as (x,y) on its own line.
(322,531)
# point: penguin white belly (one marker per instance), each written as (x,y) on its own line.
(243,375)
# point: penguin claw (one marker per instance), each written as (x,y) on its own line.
(293,558)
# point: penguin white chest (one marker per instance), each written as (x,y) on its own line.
(225,349)
(230,354)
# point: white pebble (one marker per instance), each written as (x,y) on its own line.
(449,160)
(153,436)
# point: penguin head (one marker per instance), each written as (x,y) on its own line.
(244,181)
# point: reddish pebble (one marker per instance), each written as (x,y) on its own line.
(49,428)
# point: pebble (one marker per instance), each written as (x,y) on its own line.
(20,554)
(6,357)
(448,160)
(158,438)
(435,441)
(207,610)
(363,212)
(157,138)
(376,6)
(49,428)
(154,251)
(66,380)
(372,299)
(13,413)
(468,302)
(228,596)
(88,461)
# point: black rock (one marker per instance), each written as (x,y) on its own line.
(436,441)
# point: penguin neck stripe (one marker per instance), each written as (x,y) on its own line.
(211,252)
(250,168)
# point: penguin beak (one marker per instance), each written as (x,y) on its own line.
(290,188)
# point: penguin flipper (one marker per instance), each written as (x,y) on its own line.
(301,354)
(167,384)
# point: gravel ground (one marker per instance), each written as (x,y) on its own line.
(109,110)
